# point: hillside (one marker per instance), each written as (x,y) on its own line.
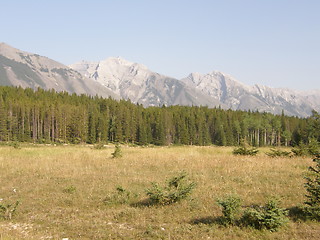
(136,82)
(139,84)
(238,96)
(19,68)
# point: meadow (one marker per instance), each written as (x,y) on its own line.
(70,192)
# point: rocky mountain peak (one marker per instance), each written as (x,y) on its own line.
(116,77)
(20,68)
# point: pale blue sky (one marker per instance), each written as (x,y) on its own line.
(269,42)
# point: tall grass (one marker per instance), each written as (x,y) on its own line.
(39,178)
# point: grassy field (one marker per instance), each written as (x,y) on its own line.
(63,190)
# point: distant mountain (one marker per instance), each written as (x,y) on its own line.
(120,78)
(238,96)
(313,97)
(19,68)
(136,82)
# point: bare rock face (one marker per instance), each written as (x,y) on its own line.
(18,68)
(136,82)
(238,96)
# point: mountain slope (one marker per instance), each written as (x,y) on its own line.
(136,82)
(238,96)
(19,68)
(120,78)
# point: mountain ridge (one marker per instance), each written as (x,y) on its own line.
(119,78)
(214,88)
(239,96)
(136,82)
(20,68)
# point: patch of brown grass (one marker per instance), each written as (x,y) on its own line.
(62,191)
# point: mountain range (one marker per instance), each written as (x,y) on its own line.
(19,68)
(121,79)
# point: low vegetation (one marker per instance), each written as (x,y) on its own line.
(310,149)
(245,149)
(77,192)
(99,146)
(120,196)
(230,208)
(7,210)
(176,189)
(117,152)
(270,216)
(278,153)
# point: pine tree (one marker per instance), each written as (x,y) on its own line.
(28,115)
(313,188)
(92,128)
(117,152)
(3,121)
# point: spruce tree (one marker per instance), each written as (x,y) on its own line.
(313,188)
(117,152)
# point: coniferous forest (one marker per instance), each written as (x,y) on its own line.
(58,117)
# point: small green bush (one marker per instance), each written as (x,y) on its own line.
(99,146)
(177,188)
(120,196)
(15,145)
(117,152)
(311,149)
(71,189)
(270,216)
(7,210)
(231,206)
(313,188)
(278,153)
(300,150)
(243,150)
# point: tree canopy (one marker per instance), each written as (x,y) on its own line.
(58,117)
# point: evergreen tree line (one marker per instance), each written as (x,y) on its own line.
(58,117)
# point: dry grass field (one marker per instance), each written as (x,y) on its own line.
(63,190)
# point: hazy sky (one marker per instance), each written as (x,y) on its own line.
(269,42)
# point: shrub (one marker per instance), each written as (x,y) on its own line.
(99,146)
(270,216)
(278,153)
(313,188)
(120,196)
(71,189)
(176,189)
(8,210)
(299,152)
(15,145)
(243,150)
(230,208)
(117,152)
(311,149)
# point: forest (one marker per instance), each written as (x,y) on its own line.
(42,116)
